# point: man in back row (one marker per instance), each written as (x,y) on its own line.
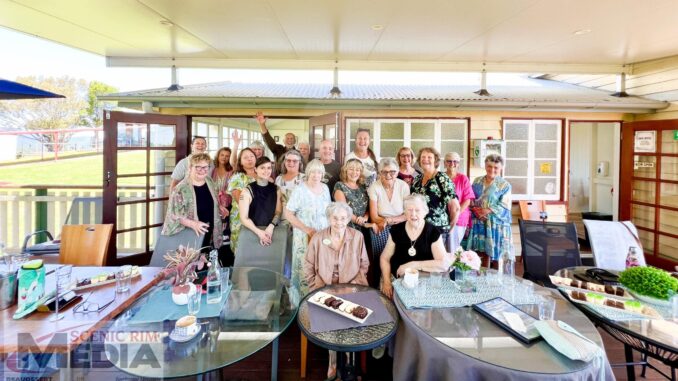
(277,149)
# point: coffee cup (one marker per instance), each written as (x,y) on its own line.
(411,278)
(187,326)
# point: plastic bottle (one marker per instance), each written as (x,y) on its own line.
(632,257)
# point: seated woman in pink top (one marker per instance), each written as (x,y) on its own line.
(462,186)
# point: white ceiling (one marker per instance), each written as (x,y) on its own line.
(422,34)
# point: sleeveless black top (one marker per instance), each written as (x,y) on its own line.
(264,199)
(402,241)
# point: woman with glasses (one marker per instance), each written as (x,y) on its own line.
(405,160)
(386,206)
(291,173)
(244,174)
(193,204)
(462,186)
(363,153)
(491,229)
(305,210)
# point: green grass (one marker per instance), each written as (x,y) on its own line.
(77,171)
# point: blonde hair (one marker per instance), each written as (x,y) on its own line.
(343,174)
(314,165)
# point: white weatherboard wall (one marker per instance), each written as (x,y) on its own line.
(580,166)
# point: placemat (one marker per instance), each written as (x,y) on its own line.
(323,320)
(449,296)
(159,307)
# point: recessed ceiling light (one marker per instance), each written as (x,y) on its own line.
(377,27)
(581,31)
(166,23)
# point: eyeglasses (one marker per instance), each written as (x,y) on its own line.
(405,155)
(451,161)
(86,306)
(201,168)
(291,161)
(389,173)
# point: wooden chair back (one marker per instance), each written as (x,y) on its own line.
(85,245)
(531,210)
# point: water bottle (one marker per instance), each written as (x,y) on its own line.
(632,257)
(214,279)
(506,265)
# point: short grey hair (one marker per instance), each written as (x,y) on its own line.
(304,143)
(336,206)
(257,144)
(292,152)
(387,162)
(314,165)
(494,158)
(415,197)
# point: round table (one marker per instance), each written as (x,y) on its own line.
(644,335)
(459,343)
(351,339)
(260,306)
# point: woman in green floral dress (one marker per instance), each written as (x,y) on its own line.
(243,176)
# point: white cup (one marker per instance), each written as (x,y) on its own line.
(411,278)
(187,326)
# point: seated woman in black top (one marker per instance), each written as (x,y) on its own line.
(414,243)
(261,204)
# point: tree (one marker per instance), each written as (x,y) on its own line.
(95,108)
(49,114)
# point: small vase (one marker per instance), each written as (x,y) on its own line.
(181,293)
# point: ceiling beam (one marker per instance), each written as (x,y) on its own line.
(438,66)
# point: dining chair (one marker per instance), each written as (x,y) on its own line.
(540,210)
(546,248)
(275,257)
(85,245)
(165,243)
(610,242)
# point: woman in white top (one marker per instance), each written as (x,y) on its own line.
(292,175)
(363,153)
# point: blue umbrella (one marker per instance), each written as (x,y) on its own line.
(15,90)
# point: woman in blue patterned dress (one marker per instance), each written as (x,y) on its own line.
(305,210)
(491,229)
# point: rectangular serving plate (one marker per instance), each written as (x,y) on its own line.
(627,295)
(639,314)
(103,283)
(337,311)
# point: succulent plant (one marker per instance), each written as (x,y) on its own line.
(182,265)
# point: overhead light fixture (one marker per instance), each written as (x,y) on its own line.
(581,31)
(335,92)
(483,85)
(175,80)
(377,27)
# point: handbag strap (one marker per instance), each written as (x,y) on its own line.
(640,245)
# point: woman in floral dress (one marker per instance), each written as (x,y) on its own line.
(244,174)
(305,210)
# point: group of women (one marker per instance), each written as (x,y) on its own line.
(397,213)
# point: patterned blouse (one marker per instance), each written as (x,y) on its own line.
(357,199)
(438,192)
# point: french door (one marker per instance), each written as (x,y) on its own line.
(323,127)
(140,154)
(649,187)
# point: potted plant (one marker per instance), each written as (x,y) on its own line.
(182,265)
(464,261)
(649,283)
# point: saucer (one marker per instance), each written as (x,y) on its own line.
(174,336)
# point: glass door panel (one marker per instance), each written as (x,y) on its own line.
(645,166)
(163,135)
(669,142)
(669,169)
(668,247)
(132,162)
(132,135)
(643,216)
(644,191)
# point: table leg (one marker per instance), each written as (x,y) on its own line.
(630,370)
(274,360)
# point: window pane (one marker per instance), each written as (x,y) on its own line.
(643,191)
(516,149)
(162,161)
(669,144)
(423,131)
(200,130)
(516,131)
(131,134)
(362,125)
(157,211)
(516,168)
(453,131)
(213,144)
(669,168)
(389,148)
(393,130)
(162,135)
(457,147)
(668,247)
(668,195)
(543,131)
(547,185)
(131,242)
(416,146)
(645,166)
(647,239)
(545,150)
(160,186)
(642,216)
(131,188)
(131,215)
(545,168)
(518,186)
(131,162)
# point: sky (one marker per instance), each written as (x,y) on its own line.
(26,55)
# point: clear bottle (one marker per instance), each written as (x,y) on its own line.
(506,265)
(214,279)
(632,257)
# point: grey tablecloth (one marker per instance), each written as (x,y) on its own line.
(419,356)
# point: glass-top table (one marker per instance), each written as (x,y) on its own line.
(459,343)
(260,306)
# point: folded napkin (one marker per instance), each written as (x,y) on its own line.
(567,340)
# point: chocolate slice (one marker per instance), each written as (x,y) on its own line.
(328,301)
(360,312)
(619,291)
(609,290)
(336,303)
(579,295)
